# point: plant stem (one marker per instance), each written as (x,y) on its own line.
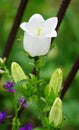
(7,73)
(16,123)
(42,114)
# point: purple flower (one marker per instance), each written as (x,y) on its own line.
(9,86)
(23,102)
(26,127)
(3,115)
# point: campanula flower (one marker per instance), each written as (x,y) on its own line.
(26,127)
(3,115)
(9,86)
(38,33)
(23,102)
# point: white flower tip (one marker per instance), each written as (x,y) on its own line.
(55,20)
(23,26)
(36,17)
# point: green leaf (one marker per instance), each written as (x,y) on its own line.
(33,78)
(49,97)
(25,88)
(40,129)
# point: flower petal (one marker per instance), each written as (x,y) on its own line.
(52,34)
(26,127)
(36,46)
(51,22)
(3,115)
(48,27)
(35,22)
(36,19)
(23,26)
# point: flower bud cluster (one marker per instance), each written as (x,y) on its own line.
(54,88)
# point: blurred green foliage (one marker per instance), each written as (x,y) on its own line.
(64,53)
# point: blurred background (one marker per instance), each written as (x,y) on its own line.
(64,53)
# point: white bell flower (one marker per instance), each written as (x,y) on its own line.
(38,33)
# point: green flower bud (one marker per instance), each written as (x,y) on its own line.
(17,72)
(55,83)
(55,115)
(2,61)
(1,71)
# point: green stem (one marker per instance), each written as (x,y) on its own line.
(39,103)
(52,128)
(36,59)
(42,114)
(7,73)
(16,123)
